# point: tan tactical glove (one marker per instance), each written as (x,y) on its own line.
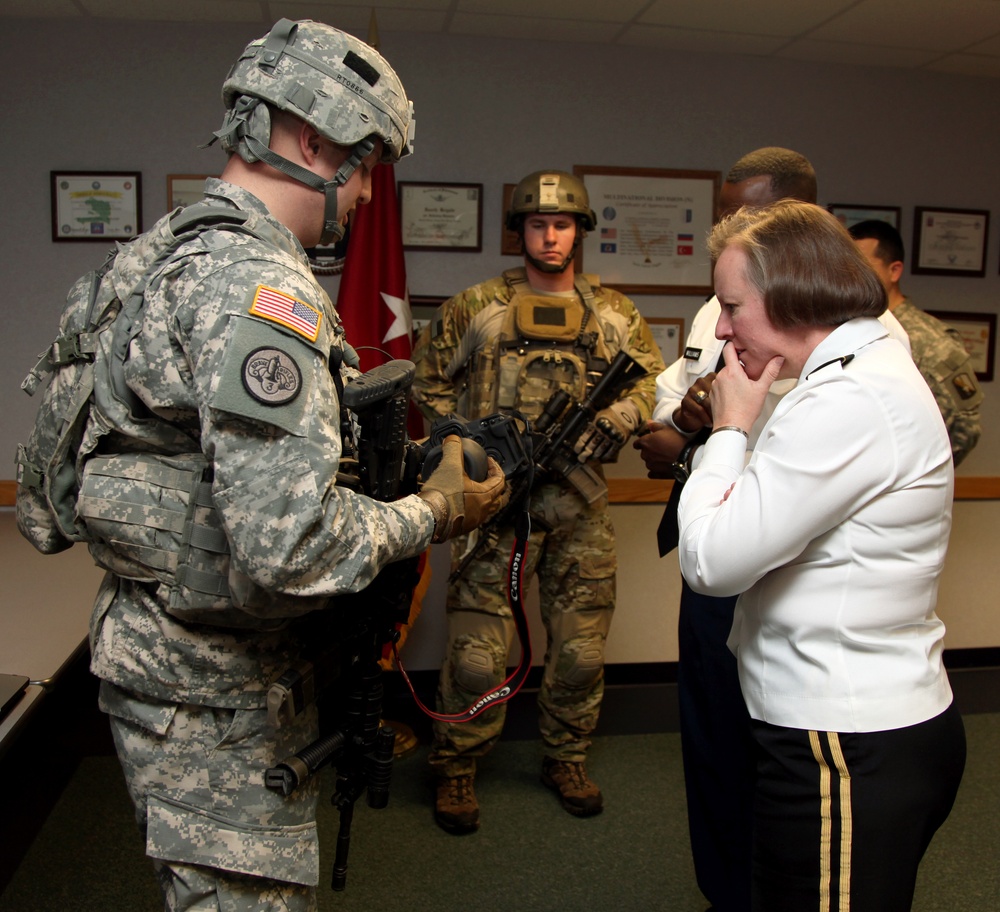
(607,434)
(460,504)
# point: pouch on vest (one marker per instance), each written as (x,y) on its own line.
(151,518)
(548,318)
(526,380)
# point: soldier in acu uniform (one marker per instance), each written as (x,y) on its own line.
(511,342)
(236,364)
(937,349)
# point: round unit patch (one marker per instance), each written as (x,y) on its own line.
(271,376)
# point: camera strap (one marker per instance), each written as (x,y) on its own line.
(515,593)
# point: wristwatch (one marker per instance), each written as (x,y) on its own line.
(682,467)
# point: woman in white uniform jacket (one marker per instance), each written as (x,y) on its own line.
(836,533)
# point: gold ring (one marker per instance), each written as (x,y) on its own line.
(701,395)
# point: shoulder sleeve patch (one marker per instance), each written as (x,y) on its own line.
(296,315)
(266,376)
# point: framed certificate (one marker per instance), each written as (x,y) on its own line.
(185,189)
(441,216)
(949,241)
(668,333)
(849,214)
(96,205)
(651,229)
(979,334)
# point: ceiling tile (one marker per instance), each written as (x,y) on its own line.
(697,41)
(176,10)
(855,54)
(532,29)
(356,19)
(929,24)
(593,10)
(967,65)
(760,17)
(989,47)
(40,9)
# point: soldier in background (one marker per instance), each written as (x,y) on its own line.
(237,359)
(510,342)
(937,349)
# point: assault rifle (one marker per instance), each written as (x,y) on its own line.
(557,429)
(345,674)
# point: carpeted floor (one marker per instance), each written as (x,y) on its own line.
(529,855)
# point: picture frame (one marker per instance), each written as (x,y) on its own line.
(441,216)
(185,189)
(950,242)
(651,228)
(668,333)
(96,205)
(422,309)
(849,214)
(510,241)
(979,334)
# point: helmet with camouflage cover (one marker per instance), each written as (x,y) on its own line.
(548,193)
(333,81)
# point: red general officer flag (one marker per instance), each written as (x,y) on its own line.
(373,300)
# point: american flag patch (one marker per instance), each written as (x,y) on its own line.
(279,307)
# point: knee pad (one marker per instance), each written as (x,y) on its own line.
(584,661)
(474,669)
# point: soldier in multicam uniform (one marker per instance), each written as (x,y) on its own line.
(510,342)
(236,361)
(937,349)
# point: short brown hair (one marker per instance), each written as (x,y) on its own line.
(804,264)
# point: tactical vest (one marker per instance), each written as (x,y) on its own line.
(545,343)
(149,516)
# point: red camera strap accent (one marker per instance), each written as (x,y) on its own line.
(515,592)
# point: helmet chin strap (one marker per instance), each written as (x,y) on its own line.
(332,229)
(542,266)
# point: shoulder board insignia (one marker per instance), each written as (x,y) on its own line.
(278,307)
(691,353)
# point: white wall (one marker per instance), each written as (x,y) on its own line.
(110,96)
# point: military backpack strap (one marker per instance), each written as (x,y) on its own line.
(204,215)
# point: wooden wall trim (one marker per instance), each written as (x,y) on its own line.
(645,490)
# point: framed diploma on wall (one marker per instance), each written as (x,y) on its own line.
(96,205)
(441,216)
(652,224)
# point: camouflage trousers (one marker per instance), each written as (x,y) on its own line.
(218,838)
(573,557)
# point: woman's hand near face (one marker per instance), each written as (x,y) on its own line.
(737,400)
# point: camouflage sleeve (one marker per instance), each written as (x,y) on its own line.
(435,392)
(256,341)
(952,379)
(943,361)
(639,343)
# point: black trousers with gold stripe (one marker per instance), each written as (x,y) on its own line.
(841,821)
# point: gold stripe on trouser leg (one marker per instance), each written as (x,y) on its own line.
(826,822)
(826,816)
(846,821)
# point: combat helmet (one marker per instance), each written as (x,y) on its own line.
(333,81)
(550,192)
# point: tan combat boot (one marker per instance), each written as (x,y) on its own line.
(579,794)
(455,807)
